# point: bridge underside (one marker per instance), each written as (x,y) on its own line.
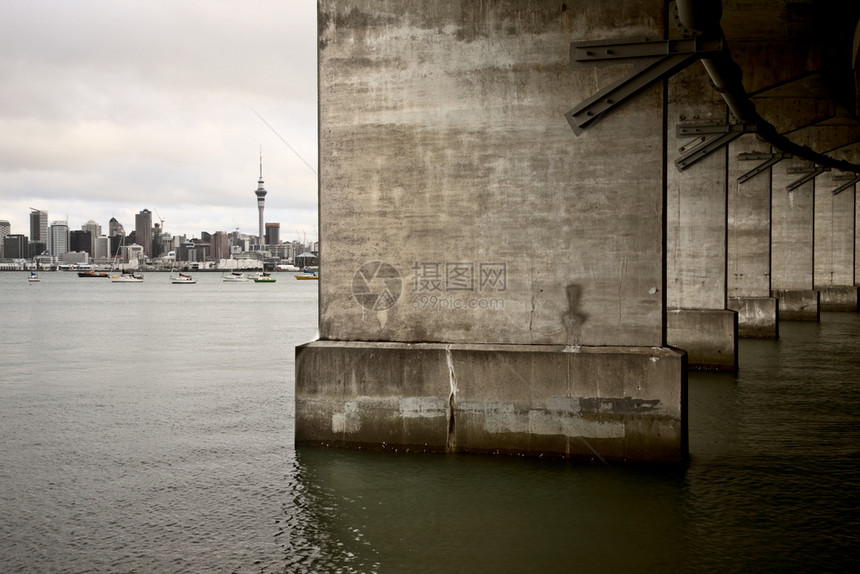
(533,221)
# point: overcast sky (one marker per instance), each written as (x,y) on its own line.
(108,107)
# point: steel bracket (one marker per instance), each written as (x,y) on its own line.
(844,176)
(811,173)
(771,159)
(796,169)
(711,136)
(657,59)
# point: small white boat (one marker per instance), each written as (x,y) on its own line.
(264,278)
(127,277)
(234,277)
(182,279)
(124,276)
(34,277)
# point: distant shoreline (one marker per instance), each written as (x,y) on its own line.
(42,270)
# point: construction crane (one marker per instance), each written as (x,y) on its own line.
(160,219)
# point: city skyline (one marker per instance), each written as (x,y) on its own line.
(131,226)
(112,107)
(97,229)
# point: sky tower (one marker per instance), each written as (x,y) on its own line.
(261,202)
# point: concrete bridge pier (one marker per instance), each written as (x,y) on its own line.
(697,319)
(835,245)
(490,282)
(792,242)
(749,266)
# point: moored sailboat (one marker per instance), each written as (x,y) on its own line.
(127,277)
(234,277)
(124,276)
(182,279)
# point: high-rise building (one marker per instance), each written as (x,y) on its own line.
(164,245)
(95,231)
(143,231)
(5,229)
(115,228)
(273,233)
(156,241)
(92,227)
(15,246)
(116,242)
(220,245)
(102,251)
(81,241)
(58,238)
(38,226)
(261,201)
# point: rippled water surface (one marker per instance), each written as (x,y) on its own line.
(148,428)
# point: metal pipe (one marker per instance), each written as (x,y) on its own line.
(702,17)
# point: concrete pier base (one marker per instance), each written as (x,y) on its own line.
(709,336)
(798,304)
(839,298)
(758,317)
(610,403)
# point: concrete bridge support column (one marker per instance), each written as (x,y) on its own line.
(792,243)
(834,245)
(749,207)
(489,282)
(856,241)
(697,319)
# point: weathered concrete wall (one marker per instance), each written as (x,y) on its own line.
(798,304)
(792,231)
(749,212)
(697,319)
(834,245)
(708,335)
(759,316)
(749,224)
(839,298)
(696,201)
(445,154)
(457,208)
(579,402)
(792,244)
(834,233)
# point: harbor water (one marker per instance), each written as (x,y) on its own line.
(149,428)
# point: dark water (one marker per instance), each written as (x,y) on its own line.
(148,428)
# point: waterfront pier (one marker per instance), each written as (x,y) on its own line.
(535,216)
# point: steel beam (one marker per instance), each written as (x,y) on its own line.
(812,174)
(720,135)
(658,59)
(845,186)
(771,159)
